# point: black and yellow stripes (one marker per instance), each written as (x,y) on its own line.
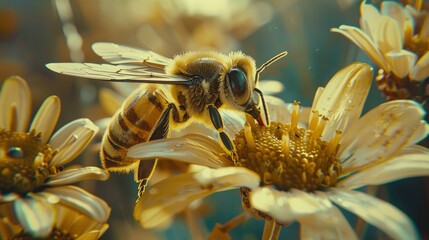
(131,125)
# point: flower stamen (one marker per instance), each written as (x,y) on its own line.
(13,117)
(287,156)
(24,161)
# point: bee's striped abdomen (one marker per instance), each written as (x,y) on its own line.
(131,125)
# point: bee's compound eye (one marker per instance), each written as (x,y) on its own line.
(238,83)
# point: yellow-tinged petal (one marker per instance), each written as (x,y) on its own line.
(363,41)
(234,176)
(403,165)
(369,18)
(82,201)
(192,148)
(388,35)
(15,91)
(394,125)
(343,98)
(379,213)
(397,12)
(285,207)
(60,136)
(8,197)
(93,235)
(172,195)
(330,223)
(69,176)
(35,216)
(421,70)
(46,118)
(424,32)
(73,144)
(277,109)
(401,62)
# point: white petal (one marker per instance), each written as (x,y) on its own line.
(382,132)
(388,35)
(401,62)
(233,121)
(421,70)
(166,198)
(376,212)
(192,148)
(399,13)
(363,41)
(48,197)
(69,176)
(234,176)
(328,224)
(343,98)
(82,201)
(36,216)
(285,207)
(401,166)
(424,32)
(277,109)
(73,144)
(46,118)
(15,91)
(369,18)
(60,136)
(8,197)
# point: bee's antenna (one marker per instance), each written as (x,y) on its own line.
(267,63)
(264,105)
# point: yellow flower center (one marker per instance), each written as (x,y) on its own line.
(57,234)
(288,156)
(24,161)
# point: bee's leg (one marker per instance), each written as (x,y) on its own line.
(218,124)
(146,168)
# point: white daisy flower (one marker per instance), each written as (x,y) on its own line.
(292,171)
(69,225)
(396,38)
(33,179)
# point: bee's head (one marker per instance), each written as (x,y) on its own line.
(240,86)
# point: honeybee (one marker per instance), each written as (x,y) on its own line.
(198,84)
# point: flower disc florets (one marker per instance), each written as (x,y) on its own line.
(24,161)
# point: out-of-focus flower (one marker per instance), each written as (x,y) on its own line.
(33,179)
(396,38)
(68,225)
(295,171)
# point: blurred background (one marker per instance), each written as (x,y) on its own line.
(33,33)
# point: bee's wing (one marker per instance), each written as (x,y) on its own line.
(118,73)
(118,54)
